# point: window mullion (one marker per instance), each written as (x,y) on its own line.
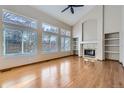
(22,44)
(59,41)
(50,41)
(64,45)
(4,45)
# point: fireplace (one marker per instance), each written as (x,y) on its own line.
(89,52)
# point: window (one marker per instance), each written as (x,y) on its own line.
(29,41)
(13,41)
(19,34)
(65,43)
(49,28)
(49,38)
(12,18)
(65,40)
(65,32)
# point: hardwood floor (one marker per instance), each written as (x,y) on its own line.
(65,72)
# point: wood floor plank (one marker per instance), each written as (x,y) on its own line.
(65,72)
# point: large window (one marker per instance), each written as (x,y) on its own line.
(49,38)
(65,40)
(19,34)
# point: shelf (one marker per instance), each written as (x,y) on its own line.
(112,45)
(112,39)
(113,52)
(75,49)
(75,45)
(75,41)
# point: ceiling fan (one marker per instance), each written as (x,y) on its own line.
(71,8)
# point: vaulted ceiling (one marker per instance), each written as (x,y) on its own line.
(66,17)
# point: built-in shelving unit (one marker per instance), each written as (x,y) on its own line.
(75,46)
(112,46)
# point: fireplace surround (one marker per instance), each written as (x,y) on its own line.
(89,52)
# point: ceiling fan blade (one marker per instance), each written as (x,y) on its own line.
(77,5)
(65,9)
(72,10)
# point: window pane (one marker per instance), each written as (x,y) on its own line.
(49,28)
(29,41)
(67,44)
(12,18)
(62,43)
(49,42)
(65,32)
(13,41)
(68,33)
(54,43)
(45,42)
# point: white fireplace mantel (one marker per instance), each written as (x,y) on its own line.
(89,42)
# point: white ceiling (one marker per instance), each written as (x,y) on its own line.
(66,17)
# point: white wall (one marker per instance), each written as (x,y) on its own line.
(112,18)
(12,61)
(90,30)
(95,14)
(122,37)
